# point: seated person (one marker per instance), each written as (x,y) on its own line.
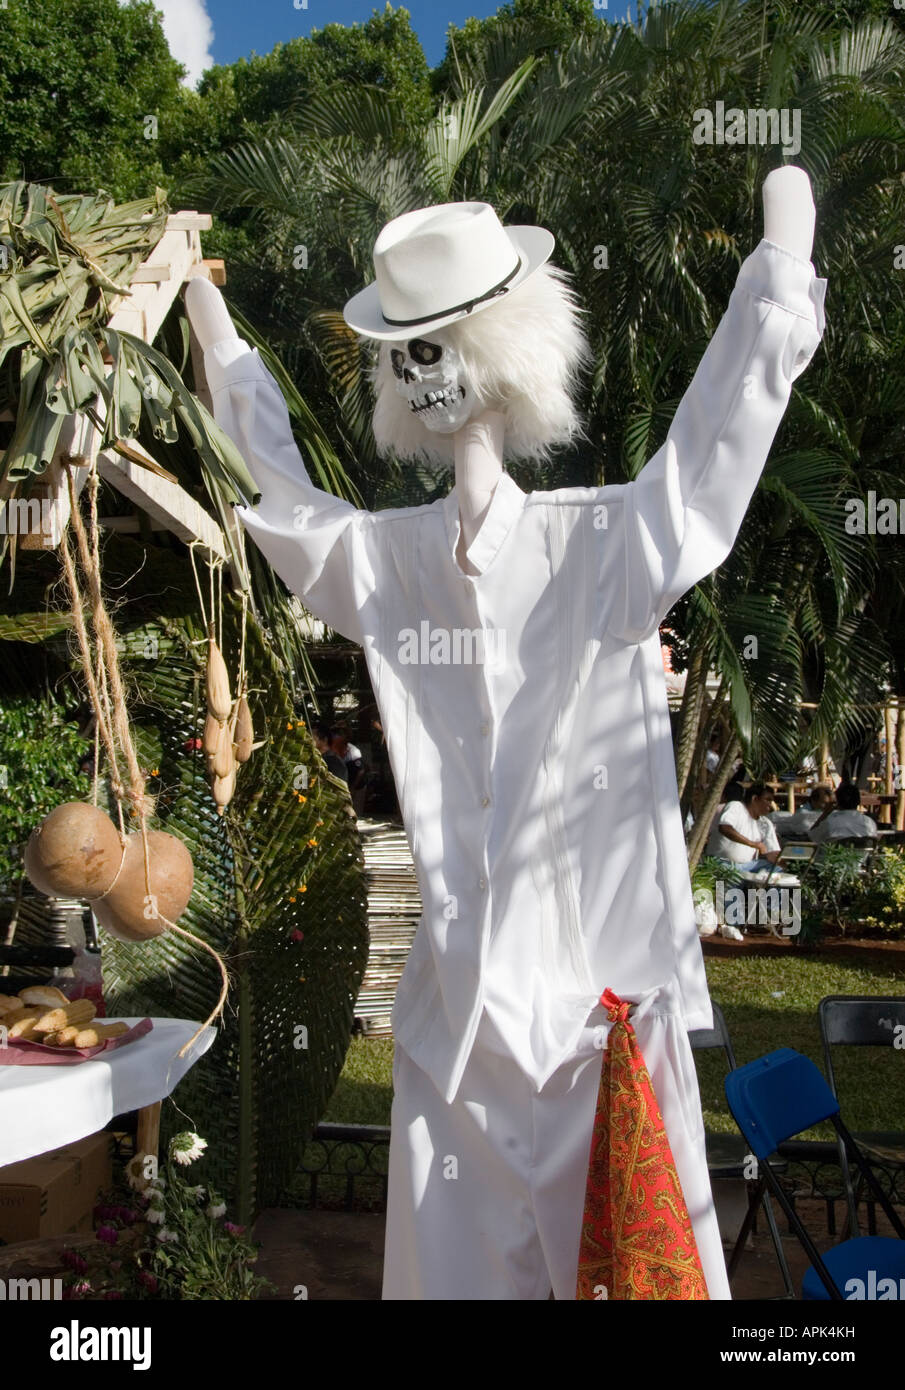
(846,820)
(337,765)
(745,836)
(733,791)
(797,826)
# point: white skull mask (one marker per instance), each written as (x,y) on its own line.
(430,376)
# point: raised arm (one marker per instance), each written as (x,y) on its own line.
(303,532)
(684,510)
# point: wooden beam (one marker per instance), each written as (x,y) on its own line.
(176,258)
(151,274)
(78,438)
(128,525)
(147,1138)
(165,502)
(213,270)
(190,221)
(143,311)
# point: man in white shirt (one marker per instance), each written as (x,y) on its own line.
(846,821)
(797,826)
(745,835)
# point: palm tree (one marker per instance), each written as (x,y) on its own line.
(594,140)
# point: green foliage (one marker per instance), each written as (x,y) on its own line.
(279,891)
(78,79)
(193,1251)
(709,871)
(69,258)
(884,899)
(384,52)
(40,752)
(586,129)
(480,47)
(855,889)
(835,884)
(264,96)
(771,1001)
(163,1237)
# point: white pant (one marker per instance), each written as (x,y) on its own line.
(486,1194)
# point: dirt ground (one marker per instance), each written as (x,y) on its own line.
(338,1255)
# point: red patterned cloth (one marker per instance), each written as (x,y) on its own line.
(637,1240)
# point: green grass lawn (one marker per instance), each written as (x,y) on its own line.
(769,1002)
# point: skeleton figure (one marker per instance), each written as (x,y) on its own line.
(430,377)
(519,359)
(540,884)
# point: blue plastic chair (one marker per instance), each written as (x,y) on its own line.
(777,1097)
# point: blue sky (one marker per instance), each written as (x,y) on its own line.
(200,32)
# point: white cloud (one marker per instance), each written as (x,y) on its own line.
(189,33)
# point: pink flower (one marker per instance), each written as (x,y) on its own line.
(233,1229)
(112,1293)
(74,1261)
(148,1279)
(108,1234)
(297,935)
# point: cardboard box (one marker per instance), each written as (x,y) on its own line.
(53,1193)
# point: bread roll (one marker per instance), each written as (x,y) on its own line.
(49,995)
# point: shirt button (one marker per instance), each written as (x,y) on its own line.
(482,882)
(485,727)
(485,800)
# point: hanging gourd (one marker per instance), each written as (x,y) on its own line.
(219,701)
(138,883)
(244,738)
(217,746)
(74,853)
(228,737)
(129,912)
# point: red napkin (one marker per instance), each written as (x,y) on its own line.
(22,1052)
(637,1240)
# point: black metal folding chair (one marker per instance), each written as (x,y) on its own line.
(728,1156)
(863,1020)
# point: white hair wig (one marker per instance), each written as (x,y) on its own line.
(521,356)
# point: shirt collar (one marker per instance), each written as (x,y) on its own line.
(505,505)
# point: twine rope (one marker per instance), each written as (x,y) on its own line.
(106,687)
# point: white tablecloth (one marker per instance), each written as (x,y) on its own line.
(42,1108)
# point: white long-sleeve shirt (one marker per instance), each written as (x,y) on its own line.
(840,825)
(524,706)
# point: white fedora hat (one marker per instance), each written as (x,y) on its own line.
(436,265)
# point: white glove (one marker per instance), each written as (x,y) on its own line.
(207,313)
(789,212)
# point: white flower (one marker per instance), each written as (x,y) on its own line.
(155,1214)
(137,1177)
(167,1237)
(217,1209)
(134,1175)
(186,1147)
(196,1192)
